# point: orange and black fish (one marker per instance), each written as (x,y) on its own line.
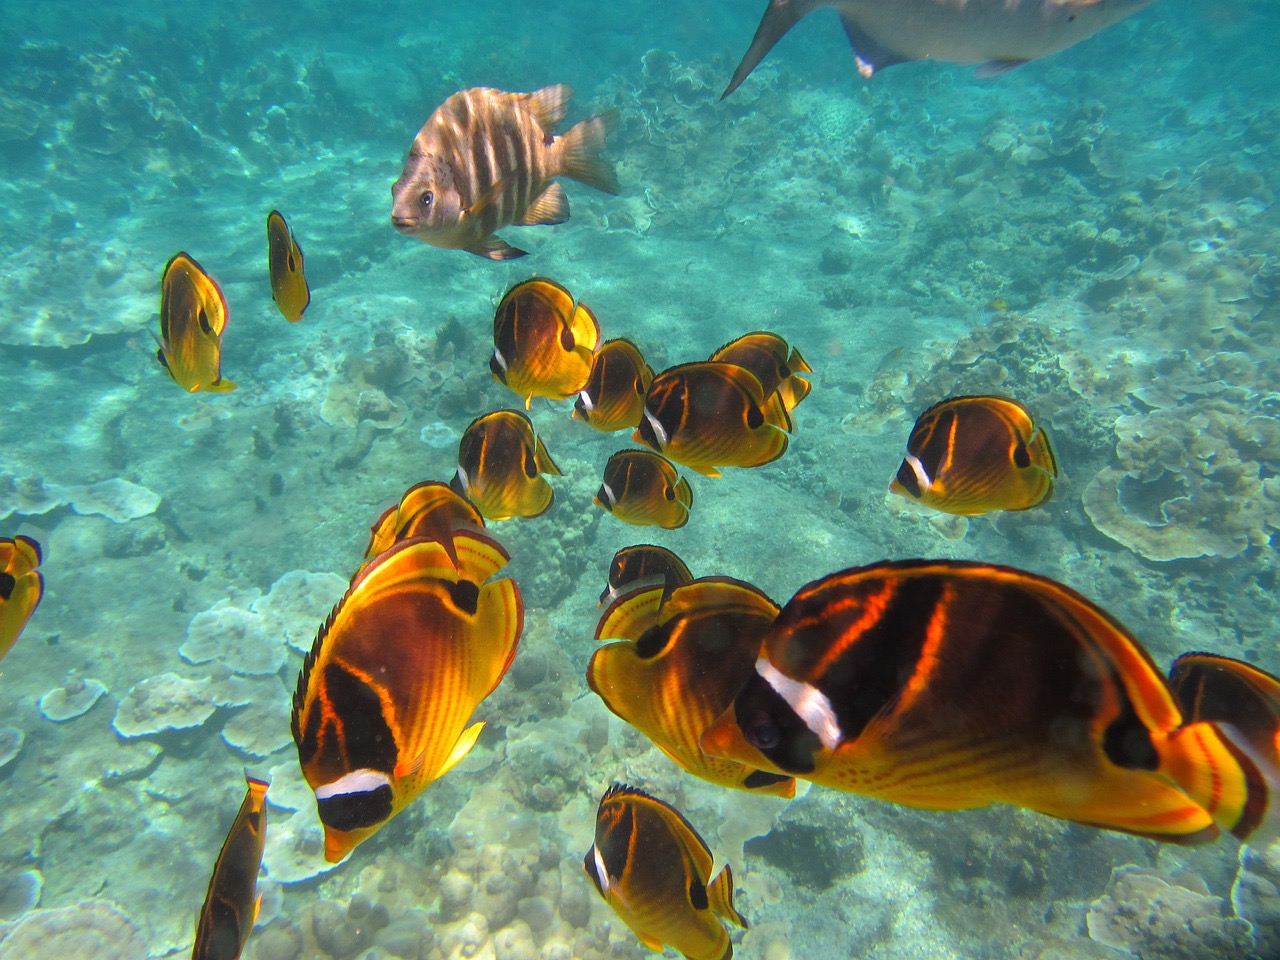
(645,564)
(384,698)
(776,365)
(1211,687)
(708,415)
(644,489)
(949,685)
(284,259)
(543,342)
(613,398)
(972,455)
(679,658)
(484,160)
(430,509)
(654,870)
(231,905)
(500,462)
(21,587)
(193,316)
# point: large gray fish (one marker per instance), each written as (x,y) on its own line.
(485,159)
(997,34)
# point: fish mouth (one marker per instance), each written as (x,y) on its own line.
(405,224)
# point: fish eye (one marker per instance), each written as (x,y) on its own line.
(761,731)
(426,198)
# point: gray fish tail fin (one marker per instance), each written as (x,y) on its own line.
(781,16)
(578,152)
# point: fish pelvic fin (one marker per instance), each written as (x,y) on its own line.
(869,54)
(720,898)
(1217,767)
(576,152)
(550,207)
(493,247)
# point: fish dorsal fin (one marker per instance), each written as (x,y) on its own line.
(550,207)
(718,593)
(549,105)
(631,614)
(792,390)
(478,555)
(720,897)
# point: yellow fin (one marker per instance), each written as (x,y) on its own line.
(462,747)
(720,897)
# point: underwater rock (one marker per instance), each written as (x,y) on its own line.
(71,700)
(296,851)
(11,740)
(19,893)
(162,703)
(92,930)
(1255,895)
(1147,914)
(236,638)
(297,604)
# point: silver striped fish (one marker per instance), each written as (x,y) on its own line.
(484,160)
(996,34)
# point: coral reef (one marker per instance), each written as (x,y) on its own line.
(296,605)
(163,703)
(93,930)
(116,499)
(235,637)
(72,699)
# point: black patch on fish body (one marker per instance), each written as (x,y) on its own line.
(698,894)
(589,865)
(770,725)
(1127,742)
(907,479)
(497,369)
(1021,456)
(365,740)
(7,582)
(360,808)
(763,779)
(653,641)
(616,846)
(648,435)
(465,596)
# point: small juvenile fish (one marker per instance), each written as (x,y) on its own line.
(949,685)
(776,365)
(21,587)
(384,699)
(500,462)
(284,261)
(642,565)
(654,870)
(613,398)
(643,489)
(710,414)
(678,658)
(484,160)
(973,455)
(193,315)
(543,342)
(231,904)
(997,34)
(430,509)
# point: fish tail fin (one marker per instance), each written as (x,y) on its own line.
(1042,453)
(1217,766)
(792,390)
(550,104)
(578,151)
(797,363)
(720,897)
(781,16)
(684,493)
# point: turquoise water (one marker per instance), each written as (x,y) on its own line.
(1116,198)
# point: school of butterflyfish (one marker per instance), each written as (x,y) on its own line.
(939,684)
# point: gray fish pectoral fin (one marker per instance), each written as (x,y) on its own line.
(993,68)
(494,247)
(869,54)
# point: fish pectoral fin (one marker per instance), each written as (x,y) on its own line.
(653,943)
(462,747)
(494,247)
(869,54)
(551,206)
(993,68)
(706,471)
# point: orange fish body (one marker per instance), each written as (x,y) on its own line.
(776,365)
(645,564)
(485,160)
(643,489)
(500,467)
(654,871)
(231,903)
(681,657)
(21,587)
(284,262)
(973,455)
(946,685)
(710,414)
(430,510)
(543,342)
(385,697)
(1221,689)
(193,316)
(613,398)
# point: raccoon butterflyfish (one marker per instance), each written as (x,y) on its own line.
(1211,687)
(384,698)
(710,414)
(193,315)
(613,398)
(484,160)
(654,870)
(951,684)
(430,509)
(21,587)
(500,463)
(231,904)
(776,365)
(644,564)
(677,660)
(543,342)
(644,489)
(972,455)
(284,261)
